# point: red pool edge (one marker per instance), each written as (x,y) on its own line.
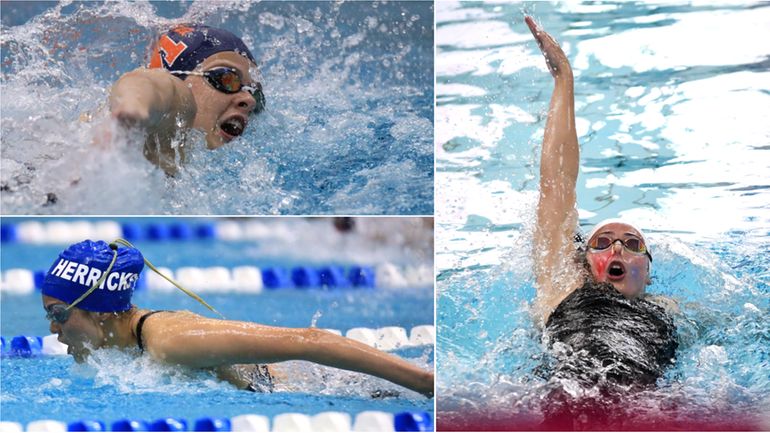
(499,422)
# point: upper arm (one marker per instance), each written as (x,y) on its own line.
(669,304)
(200,342)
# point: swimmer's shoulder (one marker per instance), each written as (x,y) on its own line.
(669,304)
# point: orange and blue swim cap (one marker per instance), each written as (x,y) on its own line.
(184,47)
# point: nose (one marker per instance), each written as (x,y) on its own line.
(617,246)
(55,327)
(245,101)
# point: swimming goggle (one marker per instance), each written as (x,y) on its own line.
(58,313)
(632,245)
(229,80)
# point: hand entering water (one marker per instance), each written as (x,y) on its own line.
(555,58)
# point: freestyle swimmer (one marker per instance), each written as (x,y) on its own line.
(593,300)
(198,77)
(87,298)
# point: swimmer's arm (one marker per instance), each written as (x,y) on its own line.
(152,99)
(559,163)
(158,103)
(211,343)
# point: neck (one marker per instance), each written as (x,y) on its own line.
(119,330)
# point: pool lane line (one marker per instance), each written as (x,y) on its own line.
(252,279)
(59,232)
(323,421)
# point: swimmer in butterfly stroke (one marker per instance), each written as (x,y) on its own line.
(87,298)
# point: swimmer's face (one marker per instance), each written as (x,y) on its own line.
(216,108)
(80,329)
(627,271)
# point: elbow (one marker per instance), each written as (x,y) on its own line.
(312,343)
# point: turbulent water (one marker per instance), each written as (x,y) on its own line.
(348,129)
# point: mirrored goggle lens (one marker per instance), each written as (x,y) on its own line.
(58,313)
(229,81)
(224,79)
(635,245)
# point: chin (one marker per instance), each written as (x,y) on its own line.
(214,141)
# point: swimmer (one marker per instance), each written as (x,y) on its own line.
(593,299)
(87,298)
(199,77)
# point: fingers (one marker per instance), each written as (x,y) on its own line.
(130,115)
(532,26)
(542,37)
(555,58)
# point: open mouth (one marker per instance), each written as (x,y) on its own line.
(233,127)
(616,271)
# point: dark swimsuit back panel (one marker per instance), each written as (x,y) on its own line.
(139,327)
(627,341)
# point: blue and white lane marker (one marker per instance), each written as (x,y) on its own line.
(366,421)
(66,232)
(251,279)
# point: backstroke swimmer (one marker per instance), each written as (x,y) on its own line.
(199,77)
(87,297)
(593,298)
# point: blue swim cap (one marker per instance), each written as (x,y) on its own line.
(81,265)
(184,47)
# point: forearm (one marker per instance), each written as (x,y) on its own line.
(561,152)
(335,351)
(151,99)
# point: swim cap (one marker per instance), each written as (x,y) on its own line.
(184,47)
(620,221)
(81,265)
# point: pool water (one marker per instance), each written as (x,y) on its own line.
(348,128)
(668,101)
(114,385)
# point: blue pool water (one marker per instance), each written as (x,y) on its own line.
(113,385)
(670,106)
(348,129)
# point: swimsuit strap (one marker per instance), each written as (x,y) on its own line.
(139,328)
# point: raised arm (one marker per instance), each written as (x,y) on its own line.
(200,342)
(156,102)
(556,213)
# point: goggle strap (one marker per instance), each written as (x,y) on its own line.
(101,279)
(188,292)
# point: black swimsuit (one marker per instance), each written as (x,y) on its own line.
(625,341)
(259,377)
(139,327)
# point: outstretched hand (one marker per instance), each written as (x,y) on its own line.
(555,58)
